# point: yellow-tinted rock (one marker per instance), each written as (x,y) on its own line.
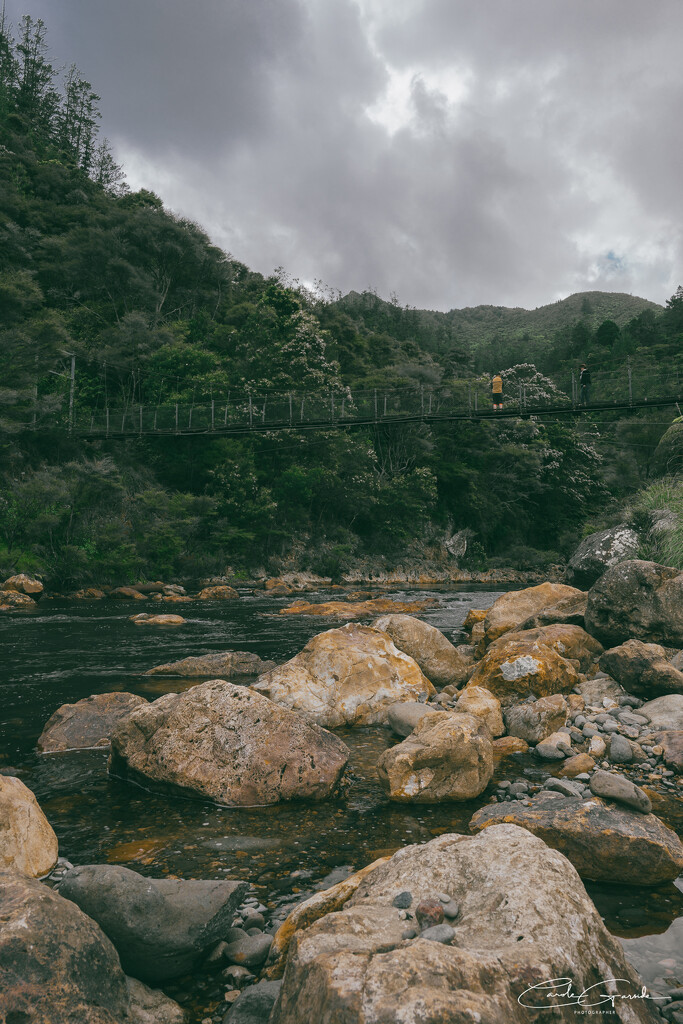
(571,642)
(448,756)
(27,841)
(518,668)
(577,765)
(321,903)
(218,594)
(126,594)
(346,676)
(513,608)
(507,745)
(478,639)
(157,620)
(12,600)
(355,609)
(474,616)
(475,700)
(435,654)
(23,584)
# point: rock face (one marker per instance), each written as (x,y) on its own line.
(403,716)
(571,642)
(637,600)
(27,841)
(516,669)
(524,918)
(159,926)
(448,756)
(513,608)
(475,700)
(223,664)
(346,676)
(642,669)
(228,744)
(537,720)
(23,584)
(220,593)
(57,965)
(598,552)
(664,712)
(603,842)
(434,653)
(87,723)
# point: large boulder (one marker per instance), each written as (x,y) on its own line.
(28,843)
(475,700)
(664,712)
(448,756)
(346,676)
(603,842)
(642,669)
(87,723)
(160,927)
(228,744)
(23,584)
(520,668)
(510,610)
(668,456)
(524,920)
(221,664)
(538,719)
(639,600)
(568,611)
(597,552)
(435,654)
(56,965)
(13,601)
(571,642)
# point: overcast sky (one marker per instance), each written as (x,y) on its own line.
(453,152)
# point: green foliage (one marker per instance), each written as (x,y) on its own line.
(657,514)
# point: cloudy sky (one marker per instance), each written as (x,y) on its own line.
(453,152)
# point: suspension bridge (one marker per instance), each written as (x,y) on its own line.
(621,390)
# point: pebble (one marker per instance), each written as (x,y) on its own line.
(444,897)
(409,933)
(620,749)
(429,912)
(439,933)
(547,752)
(403,900)
(505,784)
(583,777)
(451,910)
(563,786)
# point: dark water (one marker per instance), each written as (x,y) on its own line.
(67,651)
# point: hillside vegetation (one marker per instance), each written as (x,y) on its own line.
(153,313)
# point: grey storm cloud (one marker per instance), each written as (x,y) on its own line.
(449,151)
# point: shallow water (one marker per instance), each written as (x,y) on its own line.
(66,651)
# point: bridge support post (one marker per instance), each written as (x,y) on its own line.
(251,412)
(176,417)
(375,405)
(140,420)
(213,414)
(107,412)
(290,408)
(630,384)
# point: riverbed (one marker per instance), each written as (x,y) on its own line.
(68,650)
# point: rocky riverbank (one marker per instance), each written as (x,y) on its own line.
(572,684)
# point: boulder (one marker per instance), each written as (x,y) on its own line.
(664,712)
(87,723)
(126,594)
(579,764)
(228,744)
(346,676)
(478,639)
(637,600)
(596,691)
(571,642)
(616,787)
(157,620)
(223,664)
(642,669)
(448,756)
(56,964)
(28,843)
(603,842)
(671,742)
(597,552)
(220,593)
(481,703)
(23,584)
(151,1006)
(434,653)
(356,609)
(522,668)
(254,1003)
(512,609)
(536,720)
(668,456)
(403,716)
(88,594)
(474,616)
(525,918)
(507,745)
(160,927)
(12,600)
(568,611)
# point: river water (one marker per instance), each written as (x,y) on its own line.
(66,651)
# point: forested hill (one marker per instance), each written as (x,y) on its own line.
(474,330)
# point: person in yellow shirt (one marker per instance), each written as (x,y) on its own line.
(497,393)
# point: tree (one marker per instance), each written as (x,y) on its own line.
(37,100)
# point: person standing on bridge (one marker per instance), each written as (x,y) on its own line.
(585,382)
(497,393)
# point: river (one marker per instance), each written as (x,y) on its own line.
(66,651)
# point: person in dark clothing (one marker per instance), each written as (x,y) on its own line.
(585,382)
